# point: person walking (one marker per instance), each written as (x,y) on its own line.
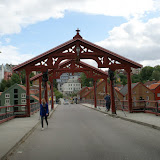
(108,102)
(44,112)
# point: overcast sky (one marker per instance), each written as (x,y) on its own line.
(130,28)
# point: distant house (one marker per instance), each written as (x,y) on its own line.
(155,88)
(82,92)
(16,95)
(139,92)
(148,83)
(101,92)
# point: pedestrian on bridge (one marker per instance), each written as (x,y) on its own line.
(44,112)
(108,102)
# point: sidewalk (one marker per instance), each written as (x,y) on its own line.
(14,132)
(146,119)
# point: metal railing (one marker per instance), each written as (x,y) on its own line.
(35,107)
(6,113)
(137,106)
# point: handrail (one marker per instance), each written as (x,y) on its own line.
(7,113)
(145,106)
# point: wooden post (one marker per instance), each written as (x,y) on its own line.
(106,91)
(46,92)
(40,94)
(129,90)
(52,103)
(112,98)
(28,93)
(95,97)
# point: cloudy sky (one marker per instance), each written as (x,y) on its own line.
(130,28)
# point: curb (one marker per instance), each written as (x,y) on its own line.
(23,139)
(127,119)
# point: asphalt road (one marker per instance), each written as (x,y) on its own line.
(79,133)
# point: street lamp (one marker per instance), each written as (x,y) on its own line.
(78,50)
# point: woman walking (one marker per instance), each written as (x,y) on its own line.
(44,112)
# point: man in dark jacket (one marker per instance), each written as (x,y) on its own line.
(108,101)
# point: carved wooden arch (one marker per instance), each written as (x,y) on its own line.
(68,51)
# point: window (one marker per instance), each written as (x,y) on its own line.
(7,95)
(15,109)
(23,95)
(23,101)
(15,90)
(16,96)
(158,94)
(8,109)
(7,101)
(147,98)
(15,102)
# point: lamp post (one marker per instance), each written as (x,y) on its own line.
(78,52)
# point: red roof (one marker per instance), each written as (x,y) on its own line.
(23,87)
(81,41)
(158,82)
(154,86)
(35,97)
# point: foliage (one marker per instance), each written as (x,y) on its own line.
(86,81)
(57,94)
(156,75)
(15,78)
(146,73)
(136,78)
(123,79)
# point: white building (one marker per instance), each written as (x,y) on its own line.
(72,86)
(64,79)
(1,72)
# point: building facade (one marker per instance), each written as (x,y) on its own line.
(16,95)
(72,86)
(64,79)
(1,72)
(155,88)
(139,92)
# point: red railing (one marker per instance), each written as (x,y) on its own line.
(6,113)
(137,106)
(10,112)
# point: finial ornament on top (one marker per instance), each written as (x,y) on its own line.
(77,35)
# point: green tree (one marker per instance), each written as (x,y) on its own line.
(146,73)
(86,81)
(136,78)
(58,94)
(123,79)
(3,85)
(156,75)
(15,79)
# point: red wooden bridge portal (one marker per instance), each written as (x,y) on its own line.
(73,51)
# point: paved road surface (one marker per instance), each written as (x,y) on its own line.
(79,133)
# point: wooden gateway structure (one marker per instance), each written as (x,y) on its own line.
(75,50)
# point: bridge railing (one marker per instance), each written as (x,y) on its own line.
(10,112)
(21,110)
(137,106)
(6,113)
(35,107)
